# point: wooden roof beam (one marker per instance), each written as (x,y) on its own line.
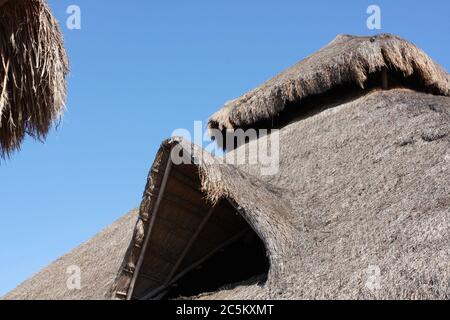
(150,229)
(156,293)
(190,244)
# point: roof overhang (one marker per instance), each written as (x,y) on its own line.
(192,209)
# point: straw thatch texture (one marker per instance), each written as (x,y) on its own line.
(448,82)
(348,60)
(265,208)
(33,69)
(362,182)
(370,185)
(99,259)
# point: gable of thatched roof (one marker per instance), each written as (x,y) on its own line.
(346,61)
(33,70)
(179,204)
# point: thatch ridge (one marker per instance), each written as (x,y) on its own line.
(33,70)
(346,60)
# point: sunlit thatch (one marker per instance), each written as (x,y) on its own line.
(33,70)
(362,184)
(347,60)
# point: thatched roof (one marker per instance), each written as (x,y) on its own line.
(368,180)
(99,259)
(33,69)
(362,183)
(262,205)
(347,61)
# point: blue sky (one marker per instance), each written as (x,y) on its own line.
(141,69)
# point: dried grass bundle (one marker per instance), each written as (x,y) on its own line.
(346,60)
(33,70)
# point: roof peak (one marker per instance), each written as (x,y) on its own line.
(346,36)
(347,61)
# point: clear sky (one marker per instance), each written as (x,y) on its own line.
(139,70)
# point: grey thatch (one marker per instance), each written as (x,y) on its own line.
(33,70)
(362,184)
(98,259)
(347,60)
(368,181)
